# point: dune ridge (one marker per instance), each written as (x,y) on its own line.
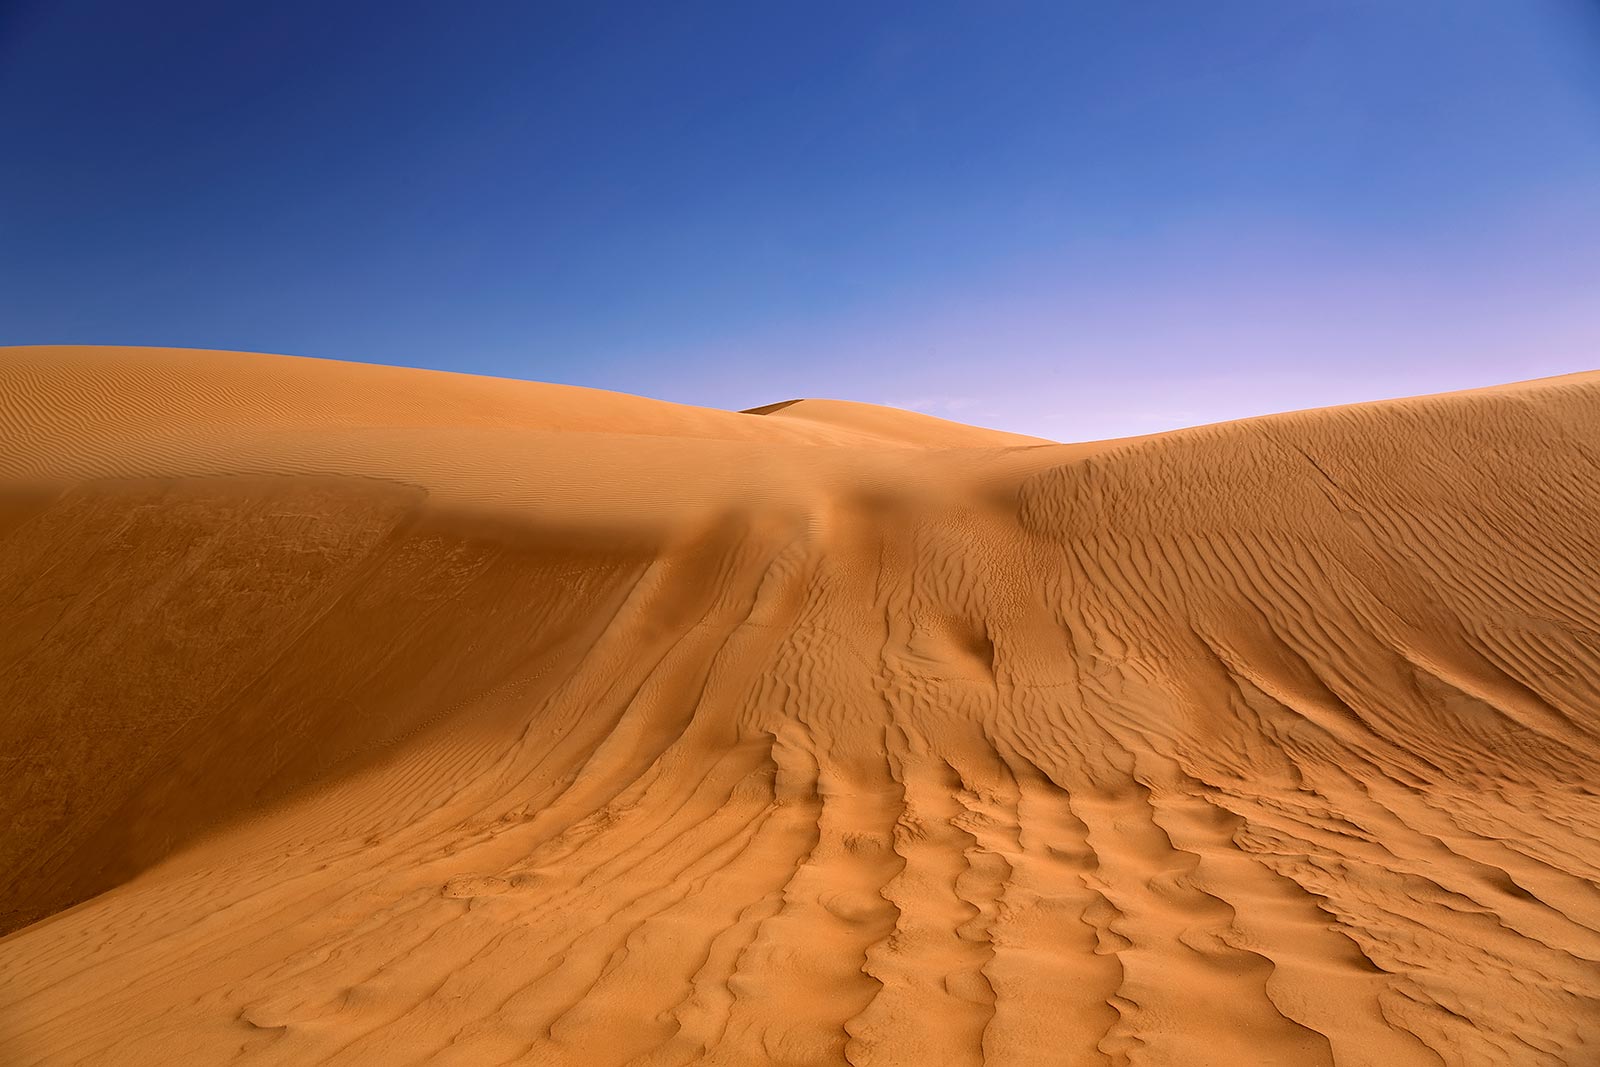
(357,714)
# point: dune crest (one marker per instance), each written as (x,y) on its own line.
(366,715)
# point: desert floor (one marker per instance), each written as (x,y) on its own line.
(353,714)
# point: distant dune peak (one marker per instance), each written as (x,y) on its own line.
(770,409)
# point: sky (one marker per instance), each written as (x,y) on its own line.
(1073,219)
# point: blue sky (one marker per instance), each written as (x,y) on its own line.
(1071,219)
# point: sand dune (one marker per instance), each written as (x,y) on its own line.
(365,715)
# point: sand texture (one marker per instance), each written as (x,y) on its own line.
(364,715)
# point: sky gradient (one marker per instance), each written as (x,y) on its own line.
(1077,220)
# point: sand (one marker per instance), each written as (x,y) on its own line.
(365,715)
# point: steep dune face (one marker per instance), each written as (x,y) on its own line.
(363,715)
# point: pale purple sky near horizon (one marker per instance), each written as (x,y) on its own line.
(1068,219)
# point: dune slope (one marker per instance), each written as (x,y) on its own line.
(364,715)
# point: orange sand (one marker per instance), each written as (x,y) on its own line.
(363,715)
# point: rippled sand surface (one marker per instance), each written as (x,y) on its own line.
(363,715)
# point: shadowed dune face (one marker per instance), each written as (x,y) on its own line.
(617,732)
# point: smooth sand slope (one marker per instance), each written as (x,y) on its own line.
(360,715)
